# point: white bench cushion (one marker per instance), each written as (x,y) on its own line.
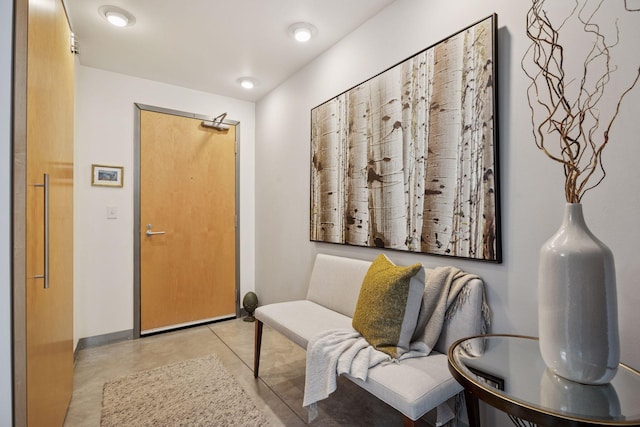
(412,386)
(301,320)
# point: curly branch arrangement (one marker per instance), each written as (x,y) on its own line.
(570,115)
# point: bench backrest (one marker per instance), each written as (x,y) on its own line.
(335,283)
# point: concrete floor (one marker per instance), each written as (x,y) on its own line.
(278,392)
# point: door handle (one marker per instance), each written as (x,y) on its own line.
(152,233)
(45,276)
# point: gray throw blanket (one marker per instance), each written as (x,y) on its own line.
(335,352)
(445,291)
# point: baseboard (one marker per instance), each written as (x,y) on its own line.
(100,340)
(114,337)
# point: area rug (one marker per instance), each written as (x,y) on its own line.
(196,392)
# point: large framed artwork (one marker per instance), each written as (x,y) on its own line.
(407,160)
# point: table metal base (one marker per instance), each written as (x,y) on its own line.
(521,423)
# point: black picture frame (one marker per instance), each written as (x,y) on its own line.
(488,379)
(408,159)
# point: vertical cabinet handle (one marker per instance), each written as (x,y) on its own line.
(45,276)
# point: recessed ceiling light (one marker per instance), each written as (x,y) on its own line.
(117,16)
(117,19)
(302,35)
(302,31)
(248,82)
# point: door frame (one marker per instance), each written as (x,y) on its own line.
(136,205)
(19,212)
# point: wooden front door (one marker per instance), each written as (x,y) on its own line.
(188,195)
(49,214)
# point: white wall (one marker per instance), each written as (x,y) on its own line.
(103,262)
(6,40)
(531,185)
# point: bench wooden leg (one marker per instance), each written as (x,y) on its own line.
(256,349)
(408,422)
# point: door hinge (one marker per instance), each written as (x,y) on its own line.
(73,44)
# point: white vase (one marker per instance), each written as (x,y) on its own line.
(578,310)
(586,401)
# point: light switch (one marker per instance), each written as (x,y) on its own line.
(112,212)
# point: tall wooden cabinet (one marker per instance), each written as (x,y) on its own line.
(43,203)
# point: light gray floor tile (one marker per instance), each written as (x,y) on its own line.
(278,392)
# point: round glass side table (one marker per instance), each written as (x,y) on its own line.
(508,373)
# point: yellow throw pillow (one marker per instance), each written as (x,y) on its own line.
(388,305)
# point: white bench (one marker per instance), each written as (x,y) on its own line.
(413,386)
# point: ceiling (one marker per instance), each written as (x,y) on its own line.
(208,45)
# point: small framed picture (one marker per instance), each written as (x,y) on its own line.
(107,176)
(487,378)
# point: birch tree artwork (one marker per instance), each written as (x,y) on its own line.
(406,160)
